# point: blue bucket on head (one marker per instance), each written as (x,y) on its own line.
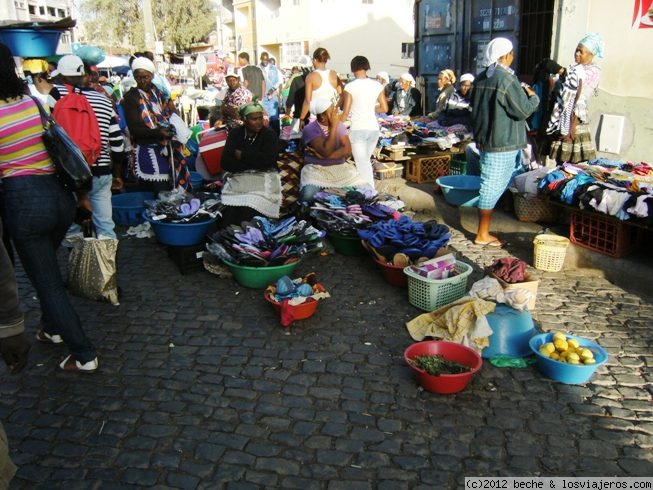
(460,190)
(127,208)
(511,332)
(31,43)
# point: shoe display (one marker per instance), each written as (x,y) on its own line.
(43,336)
(72,365)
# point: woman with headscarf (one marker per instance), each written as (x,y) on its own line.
(327,146)
(38,212)
(407,100)
(446,80)
(458,107)
(252,186)
(568,127)
(501,107)
(159,162)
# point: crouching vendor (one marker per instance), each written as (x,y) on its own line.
(252,186)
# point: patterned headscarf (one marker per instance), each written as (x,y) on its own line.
(593,43)
(253,106)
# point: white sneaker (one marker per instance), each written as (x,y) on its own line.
(43,336)
(72,365)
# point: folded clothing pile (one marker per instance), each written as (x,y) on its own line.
(344,211)
(404,236)
(264,242)
(179,206)
(509,269)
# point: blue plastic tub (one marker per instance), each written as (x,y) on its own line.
(561,371)
(460,190)
(196,179)
(180,234)
(511,332)
(128,208)
(31,43)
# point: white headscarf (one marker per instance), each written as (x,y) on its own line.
(409,78)
(467,77)
(498,47)
(143,64)
(384,76)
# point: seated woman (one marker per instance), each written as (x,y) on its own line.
(327,146)
(252,186)
(407,100)
(458,108)
(446,79)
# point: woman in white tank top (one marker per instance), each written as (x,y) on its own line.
(322,83)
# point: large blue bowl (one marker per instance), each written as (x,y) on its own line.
(561,371)
(127,208)
(180,234)
(31,43)
(460,190)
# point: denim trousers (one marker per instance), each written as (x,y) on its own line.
(363,142)
(100,197)
(39,211)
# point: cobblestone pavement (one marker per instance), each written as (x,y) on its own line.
(200,387)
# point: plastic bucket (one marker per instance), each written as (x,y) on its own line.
(127,208)
(549,252)
(180,234)
(460,190)
(299,312)
(31,43)
(511,332)
(347,245)
(260,277)
(196,179)
(445,383)
(393,274)
(561,371)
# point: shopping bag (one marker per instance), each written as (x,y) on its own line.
(92,269)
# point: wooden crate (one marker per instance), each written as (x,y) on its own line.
(427,168)
(389,173)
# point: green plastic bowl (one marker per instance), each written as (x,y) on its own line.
(347,245)
(260,277)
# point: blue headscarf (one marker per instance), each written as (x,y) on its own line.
(593,43)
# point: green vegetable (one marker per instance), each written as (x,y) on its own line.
(437,365)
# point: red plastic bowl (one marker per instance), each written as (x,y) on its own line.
(300,312)
(445,383)
(393,274)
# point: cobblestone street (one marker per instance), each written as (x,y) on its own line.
(200,387)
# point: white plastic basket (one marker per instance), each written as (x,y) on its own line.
(431,294)
(549,252)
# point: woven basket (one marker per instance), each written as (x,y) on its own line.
(531,208)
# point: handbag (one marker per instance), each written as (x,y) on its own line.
(72,170)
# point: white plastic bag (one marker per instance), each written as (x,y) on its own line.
(182,131)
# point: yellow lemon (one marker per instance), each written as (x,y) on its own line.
(589,360)
(560,345)
(573,343)
(586,354)
(555,356)
(559,335)
(573,358)
(548,348)
(544,351)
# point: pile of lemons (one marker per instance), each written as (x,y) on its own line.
(567,350)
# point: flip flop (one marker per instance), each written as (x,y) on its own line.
(491,243)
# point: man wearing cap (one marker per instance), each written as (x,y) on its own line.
(236,97)
(500,107)
(72,71)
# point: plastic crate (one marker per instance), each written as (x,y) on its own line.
(389,173)
(601,234)
(427,169)
(458,165)
(531,208)
(431,294)
(188,259)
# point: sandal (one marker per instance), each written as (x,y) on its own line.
(492,243)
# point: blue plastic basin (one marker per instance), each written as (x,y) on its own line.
(511,331)
(561,371)
(196,179)
(180,234)
(128,207)
(460,190)
(31,43)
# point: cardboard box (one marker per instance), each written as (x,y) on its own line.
(437,268)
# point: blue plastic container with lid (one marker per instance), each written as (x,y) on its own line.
(512,330)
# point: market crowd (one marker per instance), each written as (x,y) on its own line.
(335,121)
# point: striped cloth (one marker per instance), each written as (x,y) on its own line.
(112,138)
(497,169)
(21,147)
(580,149)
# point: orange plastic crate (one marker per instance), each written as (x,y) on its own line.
(601,234)
(428,168)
